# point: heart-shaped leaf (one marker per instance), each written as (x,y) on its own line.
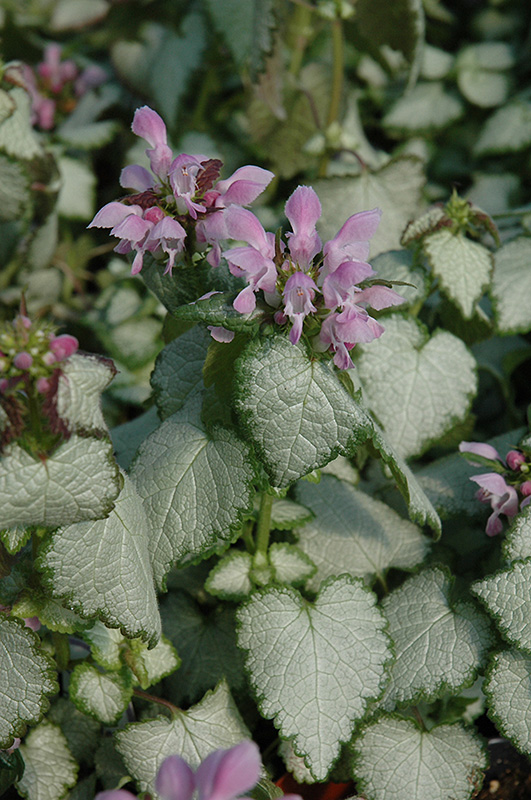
(28,675)
(462,266)
(418,387)
(508,130)
(508,689)
(507,596)
(427,107)
(315,667)
(78,482)
(211,724)
(195,487)
(439,645)
(83,379)
(397,761)
(50,769)
(511,286)
(101,568)
(354,533)
(178,373)
(102,695)
(295,411)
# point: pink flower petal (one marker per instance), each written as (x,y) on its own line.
(303,209)
(379,297)
(480,449)
(175,779)
(220,334)
(136,177)
(493,482)
(112,214)
(150,126)
(243,186)
(225,774)
(242,225)
(63,346)
(245,302)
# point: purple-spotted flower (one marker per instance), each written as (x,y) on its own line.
(222,775)
(333,285)
(181,194)
(507,488)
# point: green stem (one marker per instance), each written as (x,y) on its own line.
(337,77)
(247,536)
(337,85)
(418,717)
(263,527)
(62,650)
(300,24)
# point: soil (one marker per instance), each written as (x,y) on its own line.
(509,775)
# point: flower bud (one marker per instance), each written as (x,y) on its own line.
(23,361)
(525,488)
(63,346)
(514,459)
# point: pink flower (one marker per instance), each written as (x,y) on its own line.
(223,775)
(503,499)
(298,295)
(351,243)
(344,330)
(303,209)
(254,262)
(480,449)
(515,459)
(150,126)
(23,361)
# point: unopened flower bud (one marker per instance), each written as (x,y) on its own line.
(23,360)
(525,488)
(514,459)
(64,346)
(43,384)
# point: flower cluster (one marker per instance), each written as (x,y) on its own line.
(31,352)
(181,196)
(507,489)
(55,86)
(327,287)
(223,775)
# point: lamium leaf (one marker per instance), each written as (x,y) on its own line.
(427,107)
(418,387)
(151,666)
(485,88)
(511,286)
(517,544)
(400,26)
(290,564)
(78,189)
(508,689)
(78,482)
(128,437)
(102,695)
(206,644)
(195,487)
(439,645)
(105,645)
(508,130)
(78,400)
(354,533)
(507,596)
(315,667)
(286,514)
(56,617)
(396,761)
(82,733)
(101,568)
(295,411)
(28,675)
(230,579)
(50,768)
(211,724)
(395,189)
(14,190)
(178,373)
(91,135)
(246,27)
(218,310)
(447,483)
(74,14)
(462,266)
(17,137)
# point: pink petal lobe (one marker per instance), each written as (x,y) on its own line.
(242,225)
(245,302)
(175,779)
(225,774)
(480,449)
(136,177)
(379,297)
(150,126)
(112,214)
(359,227)
(220,334)
(491,481)
(303,209)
